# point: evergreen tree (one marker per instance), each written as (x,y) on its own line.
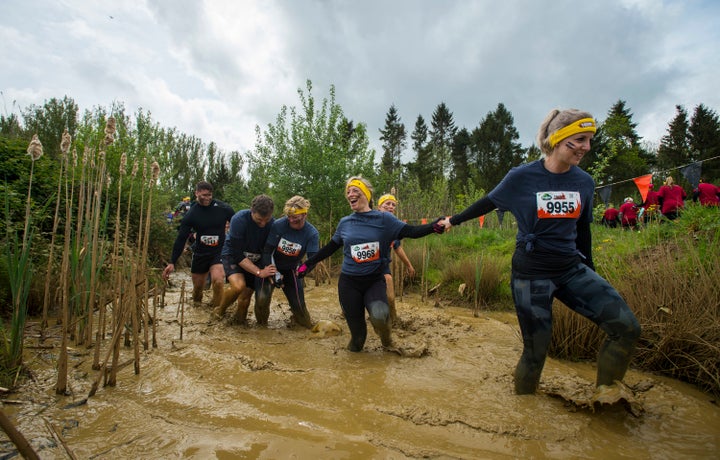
(394,142)
(495,147)
(441,139)
(460,176)
(622,157)
(704,140)
(674,149)
(422,168)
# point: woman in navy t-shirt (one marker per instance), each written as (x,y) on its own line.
(552,201)
(365,236)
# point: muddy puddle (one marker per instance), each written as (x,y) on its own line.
(229,392)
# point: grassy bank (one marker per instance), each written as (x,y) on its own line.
(668,272)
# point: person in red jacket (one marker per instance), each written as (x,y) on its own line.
(672,198)
(610,217)
(708,194)
(651,205)
(628,213)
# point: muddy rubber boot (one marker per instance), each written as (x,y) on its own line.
(356,344)
(613,361)
(262,312)
(382,329)
(527,378)
(240,315)
(302,317)
(219,311)
(393,312)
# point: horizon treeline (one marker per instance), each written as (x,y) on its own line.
(311,148)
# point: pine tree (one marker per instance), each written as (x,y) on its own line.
(460,175)
(674,149)
(394,143)
(704,141)
(495,147)
(622,156)
(441,138)
(422,167)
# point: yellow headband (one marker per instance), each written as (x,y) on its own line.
(386,197)
(293,211)
(584,125)
(361,186)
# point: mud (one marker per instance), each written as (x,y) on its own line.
(445,391)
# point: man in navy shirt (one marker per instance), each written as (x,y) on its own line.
(208,219)
(241,259)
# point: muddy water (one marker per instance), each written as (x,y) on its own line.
(227,391)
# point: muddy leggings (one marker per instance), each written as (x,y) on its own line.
(588,294)
(293,287)
(358,293)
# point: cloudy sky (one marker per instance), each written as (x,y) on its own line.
(217,68)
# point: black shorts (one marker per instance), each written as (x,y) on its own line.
(201,263)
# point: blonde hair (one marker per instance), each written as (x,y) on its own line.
(669,181)
(555,120)
(295,203)
(366,183)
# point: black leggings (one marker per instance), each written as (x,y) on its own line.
(360,293)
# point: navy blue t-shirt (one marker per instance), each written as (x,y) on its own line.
(208,223)
(366,238)
(547,206)
(245,238)
(288,246)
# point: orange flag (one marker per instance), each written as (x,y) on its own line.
(481,219)
(643,184)
(424,221)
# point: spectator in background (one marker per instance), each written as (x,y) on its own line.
(708,194)
(650,206)
(672,198)
(610,217)
(628,213)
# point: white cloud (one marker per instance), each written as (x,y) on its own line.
(215,69)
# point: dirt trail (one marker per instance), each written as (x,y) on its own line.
(228,391)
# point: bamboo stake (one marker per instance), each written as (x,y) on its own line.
(17,438)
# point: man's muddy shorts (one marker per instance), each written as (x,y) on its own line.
(201,263)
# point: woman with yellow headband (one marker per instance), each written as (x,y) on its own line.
(552,201)
(291,238)
(388,203)
(365,236)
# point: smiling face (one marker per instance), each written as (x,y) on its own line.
(569,152)
(388,206)
(357,199)
(203,197)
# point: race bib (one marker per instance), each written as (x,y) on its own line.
(365,252)
(558,205)
(252,256)
(289,248)
(210,240)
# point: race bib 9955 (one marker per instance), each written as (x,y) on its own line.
(558,205)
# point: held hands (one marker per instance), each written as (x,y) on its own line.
(303,270)
(442,225)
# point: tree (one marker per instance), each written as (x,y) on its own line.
(674,149)
(495,148)
(311,151)
(460,175)
(50,120)
(704,140)
(394,143)
(441,139)
(622,157)
(422,167)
